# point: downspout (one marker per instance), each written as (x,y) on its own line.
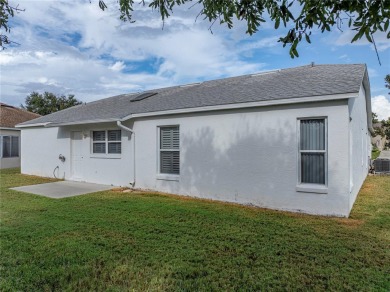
(131,131)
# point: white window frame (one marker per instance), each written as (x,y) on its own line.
(166,176)
(312,187)
(1,145)
(106,154)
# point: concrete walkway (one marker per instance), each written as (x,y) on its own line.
(385,154)
(63,189)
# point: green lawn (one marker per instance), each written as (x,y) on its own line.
(132,241)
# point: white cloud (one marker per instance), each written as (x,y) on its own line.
(381,106)
(118,66)
(345,37)
(74,47)
(77,48)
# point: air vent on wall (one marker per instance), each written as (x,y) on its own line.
(143,96)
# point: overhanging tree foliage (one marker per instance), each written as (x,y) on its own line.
(48,102)
(6,11)
(300,17)
(366,17)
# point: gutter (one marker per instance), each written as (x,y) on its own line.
(81,122)
(243,105)
(32,125)
(131,131)
(119,124)
(8,128)
(230,106)
(367,93)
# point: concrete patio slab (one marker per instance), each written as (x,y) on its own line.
(63,189)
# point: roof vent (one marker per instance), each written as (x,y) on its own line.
(191,84)
(265,73)
(143,96)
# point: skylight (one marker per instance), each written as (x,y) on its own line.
(143,96)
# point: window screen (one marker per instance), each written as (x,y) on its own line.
(107,142)
(99,148)
(9,146)
(6,146)
(312,151)
(114,135)
(99,136)
(14,146)
(170,150)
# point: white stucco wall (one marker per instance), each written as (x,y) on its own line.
(42,147)
(40,150)
(359,139)
(249,156)
(245,156)
(10,162)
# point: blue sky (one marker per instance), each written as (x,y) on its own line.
(72,47)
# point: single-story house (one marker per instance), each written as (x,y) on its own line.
(9,135)
(295,139)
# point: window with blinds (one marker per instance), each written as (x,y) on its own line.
(107,142)
(313,151)
(170,150)
(9,146)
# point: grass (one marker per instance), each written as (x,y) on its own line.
(375,153)
(135,241)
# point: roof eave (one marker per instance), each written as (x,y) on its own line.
(367,91)
(31,125)
(245,105)
(9,128)
(75,123)
(232,106)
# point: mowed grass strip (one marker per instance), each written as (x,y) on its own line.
(138,241)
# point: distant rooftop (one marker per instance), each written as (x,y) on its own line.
(11,116)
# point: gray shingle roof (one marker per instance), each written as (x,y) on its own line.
(305,81)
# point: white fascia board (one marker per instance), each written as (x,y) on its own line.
(245,105)
(81,122)
(10,129)
(50,124)
(367,91)
(32,125)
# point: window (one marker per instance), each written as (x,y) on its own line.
(9,146)
(170,150)
(107,142)
(313,151)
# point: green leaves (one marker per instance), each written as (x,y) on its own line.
(307,38)
(48,102)
(300,16)
(363,16)
(102,5)
(6,11)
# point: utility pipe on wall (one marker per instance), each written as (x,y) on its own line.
(131,131)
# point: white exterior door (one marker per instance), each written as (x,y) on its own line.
(77,156)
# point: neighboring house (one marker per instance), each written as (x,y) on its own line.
(9,135)
(295,139)
(378,140)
